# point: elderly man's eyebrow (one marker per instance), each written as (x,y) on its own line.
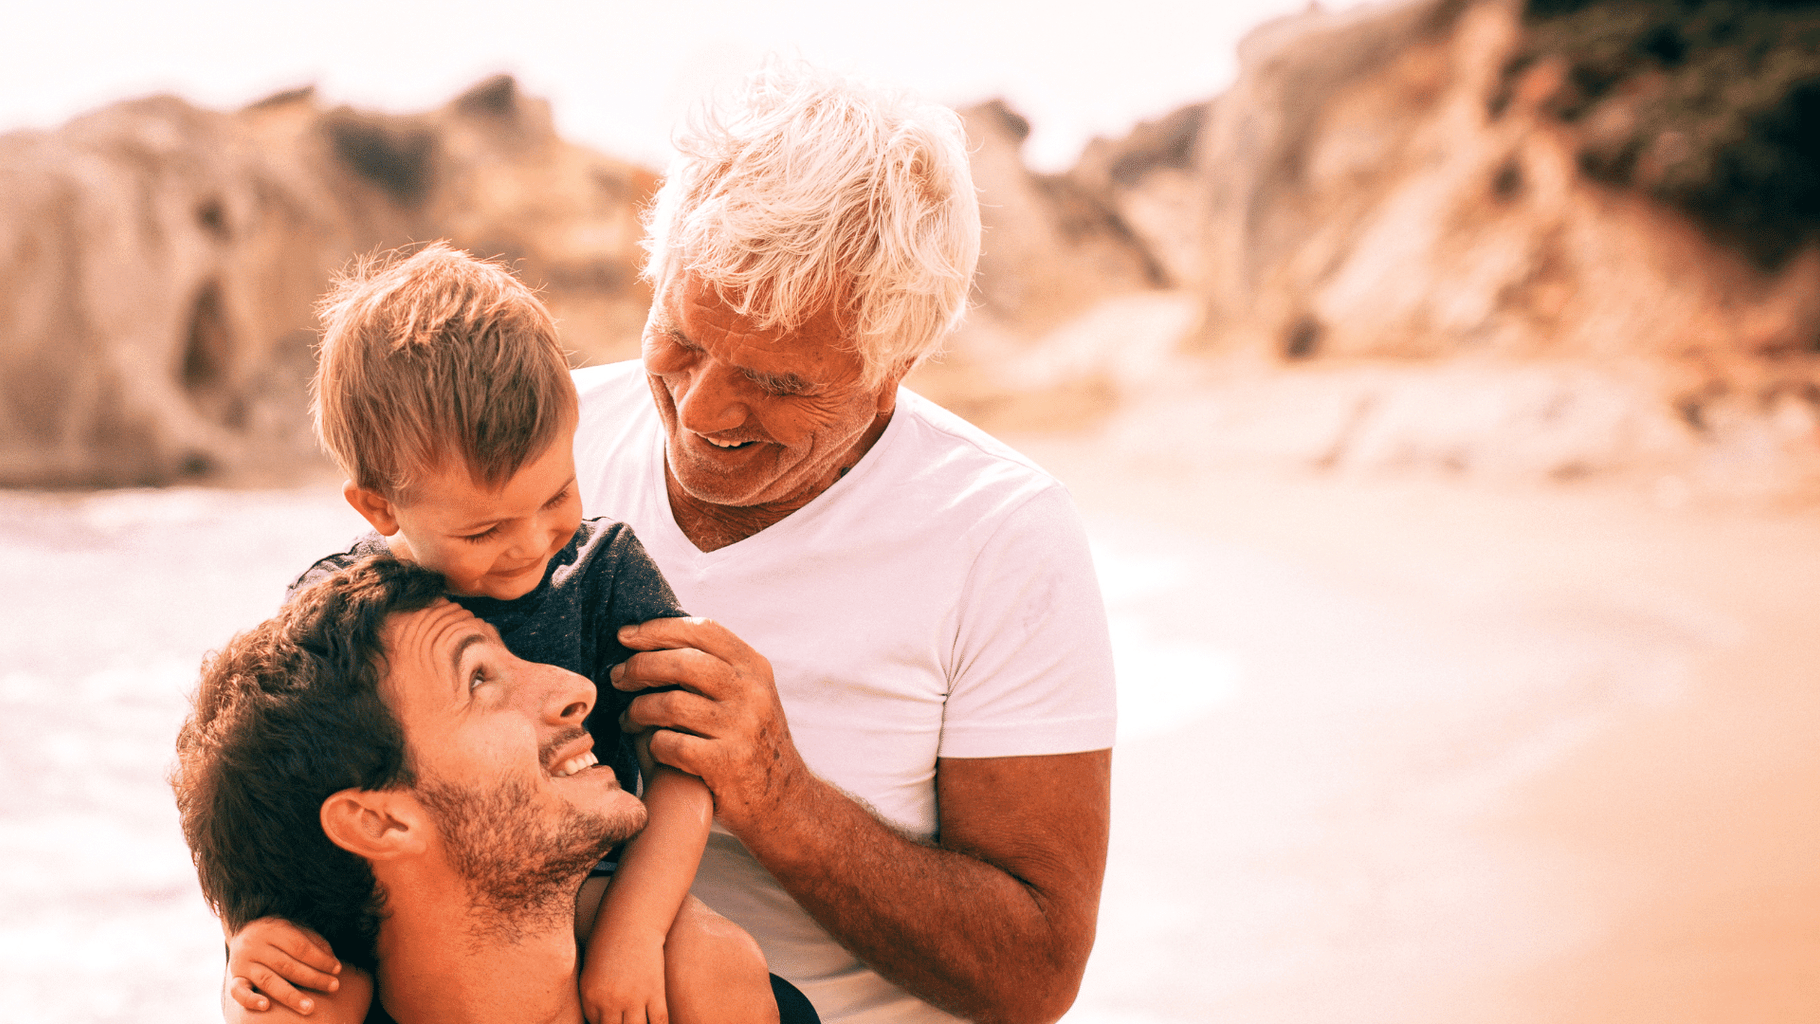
(675,331)
(783,383)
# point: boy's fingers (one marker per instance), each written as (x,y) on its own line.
(309,950)
(280,990)
(303,975)
(241,991)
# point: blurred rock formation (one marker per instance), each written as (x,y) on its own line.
(158,264)
(1544,239)
(1567,239)
(1054,252)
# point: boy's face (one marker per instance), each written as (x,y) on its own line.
(492,543)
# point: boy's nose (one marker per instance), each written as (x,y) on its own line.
(528,541)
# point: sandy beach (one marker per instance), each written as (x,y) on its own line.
(1390,749)
(1490,754)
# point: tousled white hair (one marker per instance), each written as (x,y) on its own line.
(816,189)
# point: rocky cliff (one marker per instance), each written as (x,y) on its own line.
(1557,239)
(1551,239)
(158,264)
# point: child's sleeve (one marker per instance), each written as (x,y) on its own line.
(638,593)
(629,589)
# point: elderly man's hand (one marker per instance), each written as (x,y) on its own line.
(725,724)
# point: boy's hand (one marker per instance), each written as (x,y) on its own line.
(275,957)
(623,983)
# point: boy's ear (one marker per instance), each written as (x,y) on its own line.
(376,824)
(375,507)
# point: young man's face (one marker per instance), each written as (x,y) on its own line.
(492,543)
(501,758)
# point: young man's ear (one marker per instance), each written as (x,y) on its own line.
(375,824)
(375,507)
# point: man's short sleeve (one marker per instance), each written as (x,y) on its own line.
(1032,666)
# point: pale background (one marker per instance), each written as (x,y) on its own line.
(620,75)
(1390,749)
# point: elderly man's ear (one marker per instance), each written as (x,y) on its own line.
(376,824)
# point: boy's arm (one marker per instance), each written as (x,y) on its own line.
(623,962)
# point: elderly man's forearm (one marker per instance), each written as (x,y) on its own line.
(991,934)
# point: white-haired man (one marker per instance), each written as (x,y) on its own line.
(902,698)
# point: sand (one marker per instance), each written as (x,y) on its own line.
(1390,749)
(1519,753)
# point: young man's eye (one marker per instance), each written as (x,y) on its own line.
(480,676)
(476,538)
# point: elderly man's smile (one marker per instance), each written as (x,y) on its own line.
(727,445)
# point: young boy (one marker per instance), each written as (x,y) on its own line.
(443,394)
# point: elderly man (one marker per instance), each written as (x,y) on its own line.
(902,699)
(375,764)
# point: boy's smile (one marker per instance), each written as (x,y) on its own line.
(490,543)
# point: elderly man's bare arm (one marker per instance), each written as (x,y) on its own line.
(993,923)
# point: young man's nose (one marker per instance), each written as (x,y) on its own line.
(565,697)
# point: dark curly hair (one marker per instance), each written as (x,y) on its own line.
(287,714)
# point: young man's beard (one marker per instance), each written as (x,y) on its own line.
(521,871)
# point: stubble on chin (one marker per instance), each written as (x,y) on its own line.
(521,871)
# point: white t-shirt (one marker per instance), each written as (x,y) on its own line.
(937,601)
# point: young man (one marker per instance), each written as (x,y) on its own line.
(375,764)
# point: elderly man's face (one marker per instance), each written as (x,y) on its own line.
(503,763)
(755,417)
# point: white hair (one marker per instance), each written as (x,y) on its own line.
(818,189)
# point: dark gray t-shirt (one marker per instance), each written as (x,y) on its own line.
(600,581)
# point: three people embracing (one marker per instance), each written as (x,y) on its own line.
(885,732)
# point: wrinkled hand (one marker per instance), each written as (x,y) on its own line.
(624,982)
(725,724)
(275,957)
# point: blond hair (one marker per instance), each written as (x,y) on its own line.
(433,356)
(819,190)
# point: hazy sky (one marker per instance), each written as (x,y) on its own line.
(621,74)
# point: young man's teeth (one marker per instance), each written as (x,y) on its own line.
(575,764)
